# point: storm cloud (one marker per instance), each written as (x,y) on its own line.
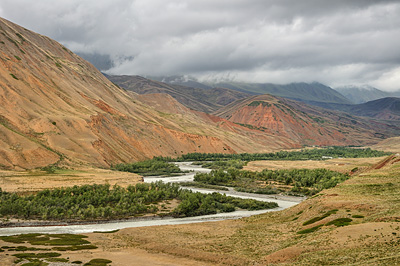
(337,42)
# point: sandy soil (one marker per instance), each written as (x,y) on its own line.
(35,180)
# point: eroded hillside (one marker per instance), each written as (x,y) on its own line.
(56,106)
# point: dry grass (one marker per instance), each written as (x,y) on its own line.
(36,180)
(272,238)
(344,165)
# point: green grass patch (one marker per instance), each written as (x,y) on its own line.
(37,255)
(340,222)
(98,262)
(75,248)
(357,216)
(310,230)
(12,75)
(107,232)
(57,260)
(17,57)
(319,218)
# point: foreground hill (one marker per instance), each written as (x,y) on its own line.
(200,99)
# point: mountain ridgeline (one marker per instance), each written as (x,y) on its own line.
(56,108)
(200,99)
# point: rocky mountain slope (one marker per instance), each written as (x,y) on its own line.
(304,123)
(200,99)
(55,106)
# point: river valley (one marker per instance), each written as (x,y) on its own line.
(283,202)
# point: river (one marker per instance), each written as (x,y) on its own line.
(283,202)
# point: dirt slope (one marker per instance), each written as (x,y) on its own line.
(54,105)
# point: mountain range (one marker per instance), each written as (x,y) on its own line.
(363,94)
(57,108)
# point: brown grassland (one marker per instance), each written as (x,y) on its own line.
(371,198)
(36,180)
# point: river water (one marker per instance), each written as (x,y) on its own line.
(283,202)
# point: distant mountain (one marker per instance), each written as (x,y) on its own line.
(201,99)
(313,93)
(386,109)
(181,80)
(362,94)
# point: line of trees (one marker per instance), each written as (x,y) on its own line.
(155,166)
(304,181)
(306,154)
(93,202)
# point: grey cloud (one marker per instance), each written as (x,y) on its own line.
(333,42)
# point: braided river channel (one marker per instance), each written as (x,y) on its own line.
(283,202)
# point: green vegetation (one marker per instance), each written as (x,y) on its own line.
(194,204)
(257,103)
(60,242)
(93,202)
(47,240)
(309,230)
(357,216)
(17,57)
(98,262)
(303,181)
(307,154)
(12,75)
(221,164)
(319,218)
(155,166)
(202,185)
(37,255)
(340,222)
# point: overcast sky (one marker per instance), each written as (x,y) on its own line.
(335,42)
